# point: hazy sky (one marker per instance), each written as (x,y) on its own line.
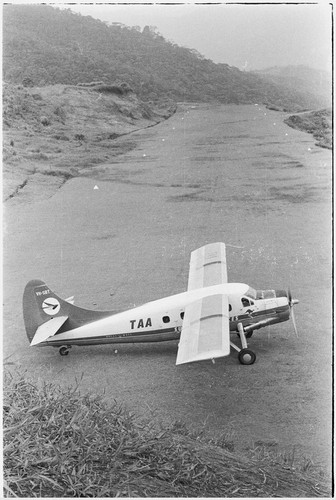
(247,36)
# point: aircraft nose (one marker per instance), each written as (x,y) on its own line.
(291,301)
(288,295)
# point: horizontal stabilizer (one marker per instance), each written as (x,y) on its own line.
(48,329)
(206,330)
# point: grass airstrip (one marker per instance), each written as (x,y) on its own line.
(60,443)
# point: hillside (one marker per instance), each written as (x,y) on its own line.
(43,45)
(56,132)
(311,81)
(317,123)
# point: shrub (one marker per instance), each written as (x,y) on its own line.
(79,137)
(61,137)
(27,82)
(113,89)
(60,112)
(45,121)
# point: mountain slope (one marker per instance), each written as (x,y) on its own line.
(44,45)
(310,81)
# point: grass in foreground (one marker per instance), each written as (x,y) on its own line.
(59,443)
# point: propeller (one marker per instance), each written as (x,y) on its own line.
(291,303)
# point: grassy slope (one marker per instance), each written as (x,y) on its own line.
(60,443)
(318,123)
(57,132)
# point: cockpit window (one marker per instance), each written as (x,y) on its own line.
(252,293)
(245,302)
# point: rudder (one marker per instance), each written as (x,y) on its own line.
(40,305)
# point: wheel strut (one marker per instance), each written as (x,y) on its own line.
(245,355)
(242,335)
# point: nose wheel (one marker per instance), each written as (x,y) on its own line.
(246,357)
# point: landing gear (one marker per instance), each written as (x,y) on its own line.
(64,350)
(245,355)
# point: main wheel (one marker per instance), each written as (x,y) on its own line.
(246,357)
(64,351)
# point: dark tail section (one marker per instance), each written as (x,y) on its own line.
(40,305)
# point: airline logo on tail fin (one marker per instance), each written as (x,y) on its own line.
(46,300)
(51,306)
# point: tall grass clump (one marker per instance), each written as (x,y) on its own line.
(59,443)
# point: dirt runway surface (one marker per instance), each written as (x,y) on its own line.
(235,174)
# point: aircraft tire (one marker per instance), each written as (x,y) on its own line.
(246,357)
(64,351)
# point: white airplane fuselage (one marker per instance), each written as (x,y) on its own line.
(162,319)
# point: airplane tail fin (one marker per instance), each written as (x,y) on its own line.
(46,314)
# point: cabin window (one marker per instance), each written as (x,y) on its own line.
(182,315)
(166,319)
(230,307)
(245,302)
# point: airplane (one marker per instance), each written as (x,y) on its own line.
(202,318)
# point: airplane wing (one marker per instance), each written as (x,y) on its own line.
(206,330)
(48,329)
(207,266)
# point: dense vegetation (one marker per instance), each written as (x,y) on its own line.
(43,45)
(58,443)
(317,123)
